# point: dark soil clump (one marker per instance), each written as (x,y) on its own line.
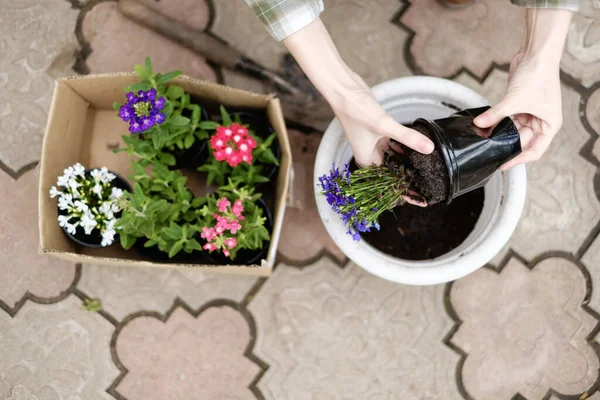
(429,172)
(415,233)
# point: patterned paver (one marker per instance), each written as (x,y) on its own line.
(524,331)
(117,42)
(445,41)
(345,334)
(582,51)
(34,50)
(57,351)
(187,357)
(125,290)
(25,272)
(593,117)
(561,207)
(302,215)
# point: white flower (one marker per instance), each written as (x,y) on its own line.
(69,172)
(116,193)
(111,224)
(72,228)
(65,201)
(79,169)
(108,237)
(54,192)
(110,177)
(63,220)
(95,173)
(106,209)
(88,222)
(115,207)
(73,184)
(63,180)
(98,190)
(81,207)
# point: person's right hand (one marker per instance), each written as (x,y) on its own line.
(369,128)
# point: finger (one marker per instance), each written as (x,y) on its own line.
(538,145)
(409,137)
(527,135)
(495,114)
(415,202)
(396,147)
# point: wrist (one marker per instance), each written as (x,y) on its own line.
(546,32)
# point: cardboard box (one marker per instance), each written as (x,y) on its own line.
(83,127)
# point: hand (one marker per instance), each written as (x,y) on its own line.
(369,128)
(533,99)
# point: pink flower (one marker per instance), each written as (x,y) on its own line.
(223,203)
(210,247)
(231,242)
(208,233)
(220,155)
(226,253)
(235,159)
(234,226)
(237,208)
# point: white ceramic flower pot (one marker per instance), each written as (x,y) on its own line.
(406,99)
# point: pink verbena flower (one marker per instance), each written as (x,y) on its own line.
(223,203)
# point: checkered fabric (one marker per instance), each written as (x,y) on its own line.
(284,17)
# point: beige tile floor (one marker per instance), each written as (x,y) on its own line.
(320,327)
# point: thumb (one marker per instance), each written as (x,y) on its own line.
(495,114)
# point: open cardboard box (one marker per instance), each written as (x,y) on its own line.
(83,127)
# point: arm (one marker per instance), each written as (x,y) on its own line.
(533,96)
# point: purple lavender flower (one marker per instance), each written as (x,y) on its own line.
(142,110)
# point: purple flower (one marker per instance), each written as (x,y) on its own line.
(142,110)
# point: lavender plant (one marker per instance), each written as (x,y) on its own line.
(360,197)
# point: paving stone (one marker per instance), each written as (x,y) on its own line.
(118,43)
(524,331)
(591,259)
(368,43)
(561,207)
(35,49)
(125,290)
(303,235)
(57,351)
(332,333)
(581,58)
(23,270)
(593,117)
(187,357)
(447,40)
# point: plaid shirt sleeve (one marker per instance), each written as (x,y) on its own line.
(284,17)
(571,5)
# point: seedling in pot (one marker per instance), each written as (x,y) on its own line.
(87,204)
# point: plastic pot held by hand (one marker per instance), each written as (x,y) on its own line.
(471,154)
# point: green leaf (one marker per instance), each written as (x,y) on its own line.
(168,76)
(117,106)
(127,241)
(178,120)
(267,156)
(141,71)
(174,92)
(193,244)
(173,231)
(177,246)
(195,112)
(137,87)
(189,141)
(185,100)
(208,125)
(92,305)
(168,159)
(225,116)
(268,141)
(150,243)
(148,65)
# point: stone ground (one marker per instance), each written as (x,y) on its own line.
(319,328)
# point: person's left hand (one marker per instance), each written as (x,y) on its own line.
(533,100)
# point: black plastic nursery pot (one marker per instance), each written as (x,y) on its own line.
(245,256)
(471,154)
(197,154)
(94,239)
(153,253)
(260,126)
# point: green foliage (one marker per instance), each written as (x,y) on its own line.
(92,305)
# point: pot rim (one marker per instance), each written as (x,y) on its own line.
(506,207)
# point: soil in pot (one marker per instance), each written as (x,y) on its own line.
(417,233)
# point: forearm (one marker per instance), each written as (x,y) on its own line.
(315,52)
(545,35)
